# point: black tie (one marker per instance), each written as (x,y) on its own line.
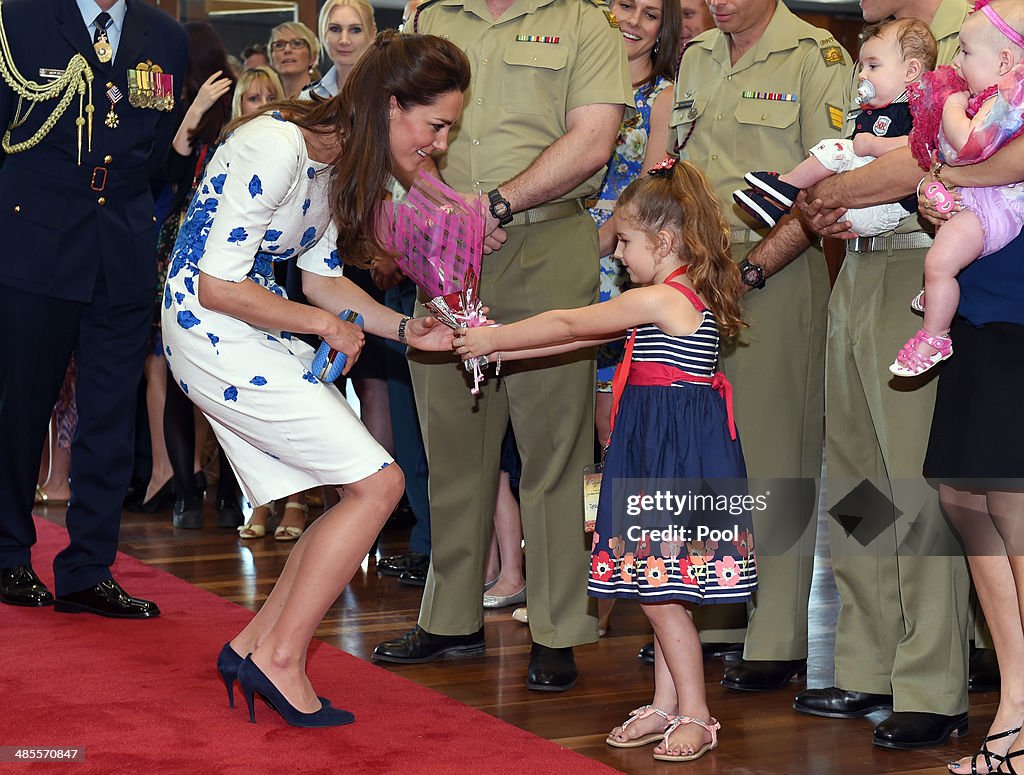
(103,21)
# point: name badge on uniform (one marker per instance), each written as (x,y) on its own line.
(686,102)
(150,87)
(50,73)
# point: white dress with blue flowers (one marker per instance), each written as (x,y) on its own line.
(261,200)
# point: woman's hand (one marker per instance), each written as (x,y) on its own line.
(928,206)
(346,338)
(213,89)
(429,334)
(473,342)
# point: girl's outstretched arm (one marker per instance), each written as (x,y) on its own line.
(570,329)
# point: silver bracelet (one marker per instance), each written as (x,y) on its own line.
(401,329)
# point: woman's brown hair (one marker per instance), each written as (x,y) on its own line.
(415,70)
(206,55)
(685,204)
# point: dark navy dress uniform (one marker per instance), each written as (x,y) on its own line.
(77,275)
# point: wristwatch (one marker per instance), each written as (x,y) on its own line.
(500,208)
(751,274)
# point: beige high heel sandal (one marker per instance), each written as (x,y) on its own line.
(288,532)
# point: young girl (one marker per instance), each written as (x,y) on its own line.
(973,126)
(672,419)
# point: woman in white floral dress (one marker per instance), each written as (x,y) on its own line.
(305,179)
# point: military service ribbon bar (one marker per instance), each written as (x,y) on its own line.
(777,96)
(537,38)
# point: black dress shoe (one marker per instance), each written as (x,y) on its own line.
(229,515)
(416,574)
(398,564)
(727,651)
(551,670)
(418,646)
(646,653)
(907,730)
(730,652)
(106,599)
(21,586)
(763,675)
(188,513)
(983,672)
(834,702)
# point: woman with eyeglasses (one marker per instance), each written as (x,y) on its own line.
(294,53)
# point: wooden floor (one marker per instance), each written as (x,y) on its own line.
(760,732)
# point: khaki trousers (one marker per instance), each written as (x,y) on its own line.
(777,372)
(902,626)
(551,406)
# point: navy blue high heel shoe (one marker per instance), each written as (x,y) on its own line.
(253,681)
(228,663)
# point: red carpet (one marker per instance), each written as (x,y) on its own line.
(145,697)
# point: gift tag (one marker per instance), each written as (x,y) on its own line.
(591,493)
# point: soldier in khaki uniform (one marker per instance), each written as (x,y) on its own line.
(901,637)
(765,86)
(550,85)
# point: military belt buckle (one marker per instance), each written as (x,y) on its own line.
(98,174)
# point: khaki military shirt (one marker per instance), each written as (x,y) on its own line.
(538,61)
(763,113)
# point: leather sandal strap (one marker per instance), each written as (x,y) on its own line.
(1007,761)
(711,725)
(638,713)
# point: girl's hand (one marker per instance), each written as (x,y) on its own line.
(473,342)
(429,334)
(346,338)
(212,90)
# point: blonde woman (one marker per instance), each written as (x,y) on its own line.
(256,87)
(294,53)
(347,28)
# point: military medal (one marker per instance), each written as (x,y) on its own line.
(104,52)
(150,87)
(115,96)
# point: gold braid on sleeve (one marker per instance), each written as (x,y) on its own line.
(76,80)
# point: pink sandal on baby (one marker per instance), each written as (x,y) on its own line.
(910,363)
(711,725)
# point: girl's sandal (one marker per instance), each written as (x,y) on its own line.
(644,711)
(988,755)
(711,725)
(910,363)
(288,532)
